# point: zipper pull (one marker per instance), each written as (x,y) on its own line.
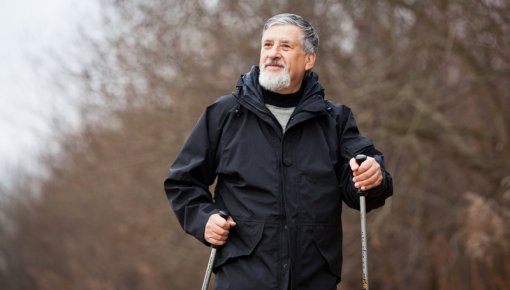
(237,111)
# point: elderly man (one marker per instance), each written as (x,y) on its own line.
(282,158)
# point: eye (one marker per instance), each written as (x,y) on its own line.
(267,44)
(286,46)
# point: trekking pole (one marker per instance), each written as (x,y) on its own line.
(208,271)
(360,158)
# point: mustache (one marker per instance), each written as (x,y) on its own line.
(274,62)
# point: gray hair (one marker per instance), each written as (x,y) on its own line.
(310,38)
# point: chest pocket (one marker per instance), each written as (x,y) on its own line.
(247,162)
(312,167)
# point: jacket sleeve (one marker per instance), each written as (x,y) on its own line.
(353,143)
(191,174)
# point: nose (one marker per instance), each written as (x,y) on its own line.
(274,52)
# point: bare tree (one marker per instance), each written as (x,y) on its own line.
(427,81)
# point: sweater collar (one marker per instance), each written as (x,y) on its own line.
(282,100)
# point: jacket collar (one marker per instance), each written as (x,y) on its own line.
(313,93)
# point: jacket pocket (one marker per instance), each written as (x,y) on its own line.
(242,241)
(319,197)
(328,240)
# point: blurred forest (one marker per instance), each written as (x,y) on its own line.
(428,81)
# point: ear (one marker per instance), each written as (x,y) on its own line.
(310,60)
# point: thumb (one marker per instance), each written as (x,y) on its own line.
(231,222)
(353,164)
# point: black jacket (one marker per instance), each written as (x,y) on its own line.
(284,190)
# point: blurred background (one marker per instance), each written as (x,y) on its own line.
(98,96)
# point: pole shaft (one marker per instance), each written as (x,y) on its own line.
(364,251)
(210,264)
(208,271)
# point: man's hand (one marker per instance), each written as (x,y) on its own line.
(217,229)
(368,175)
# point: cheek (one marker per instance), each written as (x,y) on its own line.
(262,58)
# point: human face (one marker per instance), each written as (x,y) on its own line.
(283,52)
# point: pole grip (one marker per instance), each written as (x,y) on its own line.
(360,158)
(224,215)
(208,271)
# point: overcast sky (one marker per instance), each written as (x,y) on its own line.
(32,33)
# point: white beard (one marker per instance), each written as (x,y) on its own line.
(274,81)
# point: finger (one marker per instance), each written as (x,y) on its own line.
(369,172)
(224,224)
(367,169)
(220,222)
(217,236)
(367,176)
(219,231)
(218,243)
(212,236)
(370,182)
(231,222)
(354,165)
(367,164)
(212,227)
(215,242)
(361,168)
(216,230)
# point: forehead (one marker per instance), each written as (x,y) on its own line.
(282,32)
